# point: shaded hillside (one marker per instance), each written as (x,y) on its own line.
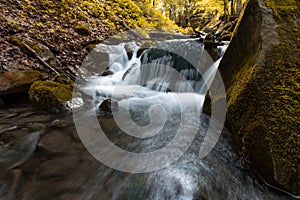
(67,28)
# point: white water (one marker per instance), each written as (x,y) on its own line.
(142,99)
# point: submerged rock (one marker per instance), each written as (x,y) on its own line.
(106,72)
(52,95)
(18,150)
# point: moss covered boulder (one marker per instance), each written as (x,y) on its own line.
(52,95)
(261,73)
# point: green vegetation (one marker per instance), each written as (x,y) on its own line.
(139,15)
(52,95)
(263,105)
(82,30)
(263,91)
(19,42)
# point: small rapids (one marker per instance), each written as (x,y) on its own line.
(157,94)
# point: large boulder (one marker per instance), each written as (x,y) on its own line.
(15,83)
(261,74)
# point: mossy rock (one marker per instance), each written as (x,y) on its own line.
(20,43)
(90,47)
(82,30)
(51,95)
(169,37)
(16,41)
(18,82)
(260,70)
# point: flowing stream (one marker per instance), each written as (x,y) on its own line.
(155,95)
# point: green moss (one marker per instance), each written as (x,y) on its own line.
(19,42)
(50,95)
(82,30)
(270,94)
(16,41)
(33,46)
(90,47)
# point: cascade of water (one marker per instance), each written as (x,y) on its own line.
(173,70)
(167,78)
(159,69)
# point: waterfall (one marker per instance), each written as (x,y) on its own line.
(159,97)
(177,70)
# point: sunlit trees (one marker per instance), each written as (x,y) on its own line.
(188,12)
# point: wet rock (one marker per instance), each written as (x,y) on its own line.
(145,45)
(129,51)
(90,47)
(52,95)
(18,150)
(62,78)
(169,37)
(97,60)
(18,82)
(264,120)
(106,72)
(209,43)
(56,142)
(108,106)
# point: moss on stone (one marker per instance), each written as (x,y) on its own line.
(263,92)
(50,95)
(19,42)
(82,30)
(90,47)
(32,45)
(16,41)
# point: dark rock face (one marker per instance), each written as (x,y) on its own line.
(106,72)
(129,51)
(209,43)
(261,91)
